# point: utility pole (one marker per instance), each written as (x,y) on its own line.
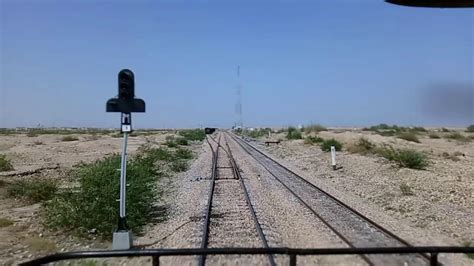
(238,106)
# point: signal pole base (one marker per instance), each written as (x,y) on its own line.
(122,240)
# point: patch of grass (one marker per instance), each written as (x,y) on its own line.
(5,222)
(457,136)
(406,190)
(193,134)
(33,190)
(470,128)
(171,143)
(418,129)
(405,157)
(69,138)
(5,164)
(434,136)
(314,128)
(409,136)
(93,203)
(179,166)
(40,244)
(31,134)
(293,133)
(313,140)
(326,145)
(182,141)
(258,133)
(362,146)
(183,154)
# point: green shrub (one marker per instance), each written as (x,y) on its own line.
(457,136)
(182,141)
(183,154)
(443,129)
(93,204)
(33,190)
(193,134)
(405,157)
(418,129)
(5,164)
(179,166)
(326,145)
(5,222)
(312,140)
(171,143)
(409,136)
(362,146)
(434,136)
(69,138)
(31,134)
(470,128)
(314,128)
(293,133)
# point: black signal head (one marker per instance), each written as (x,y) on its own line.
(126,84)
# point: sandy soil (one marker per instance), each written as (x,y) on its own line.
(440,211)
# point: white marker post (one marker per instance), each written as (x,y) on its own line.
(333,157)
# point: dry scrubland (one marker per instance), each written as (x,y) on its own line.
(45,174)
(417,181)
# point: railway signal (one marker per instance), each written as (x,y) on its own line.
(125,103)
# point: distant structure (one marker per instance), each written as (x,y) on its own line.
(238,106)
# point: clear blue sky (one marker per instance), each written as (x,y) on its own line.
(338,63)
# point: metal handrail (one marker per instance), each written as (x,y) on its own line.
(291,252)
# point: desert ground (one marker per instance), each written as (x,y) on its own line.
(430,206)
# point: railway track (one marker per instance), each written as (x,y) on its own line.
(230,219)
(355,229)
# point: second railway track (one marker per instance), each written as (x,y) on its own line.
(355,229)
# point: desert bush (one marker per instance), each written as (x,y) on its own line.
(457,136)
(408,136)
(406,190)
(259,132)
(179,166)
(313,140)
(326,145)
(443,129)
(183,154)
(182,141)
(470,128)
(362,146)
(5,222)
(405,157)
(293,133)
(418,129)
(33,190)
(5,164)
(193,134)
(434,136)
(69,138)
(314,128)
(93,204)
(171,143)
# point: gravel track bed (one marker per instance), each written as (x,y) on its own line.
(358,231)
(231,222)
(284,220)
